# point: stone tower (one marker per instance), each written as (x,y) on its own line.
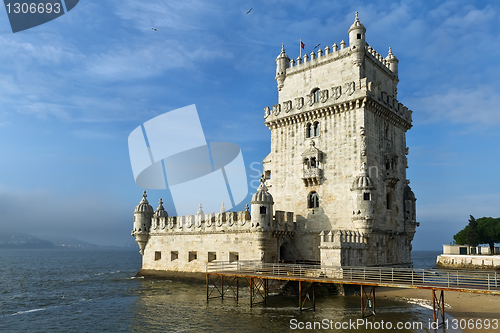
(338,154)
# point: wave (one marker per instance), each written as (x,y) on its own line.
(28,311)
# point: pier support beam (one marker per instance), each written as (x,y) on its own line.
(310,294)
(367,301)
(438,306)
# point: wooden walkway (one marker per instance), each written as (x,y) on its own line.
(223,278)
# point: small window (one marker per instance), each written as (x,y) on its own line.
(316,95)
(309,130)
(313,200)
(267,174)
(212,256)
(157,255)
(389,200)
(316,129)
(174,255)
(313,163)
(193,255)
(234,256)
(359,36)
(366,196)
(306,163)
(263,210)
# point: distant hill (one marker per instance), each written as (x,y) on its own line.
(23,241)
(64,241)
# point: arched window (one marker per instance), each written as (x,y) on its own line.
(313,162)
(316,95)
(309,130)
(313,200)
(306,163)
(316,129)
(389,200)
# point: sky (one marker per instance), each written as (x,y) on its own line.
(73,89)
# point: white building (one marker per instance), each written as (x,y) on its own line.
(335,186)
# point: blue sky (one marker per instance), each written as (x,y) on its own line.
(73,89)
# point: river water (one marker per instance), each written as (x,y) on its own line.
(69,290)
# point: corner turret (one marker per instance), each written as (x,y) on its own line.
(357,41)
(393,62)
(262,206)
(364,189)
(143,214)
(282,63)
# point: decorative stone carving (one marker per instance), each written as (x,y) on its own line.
(287,106)
(299,101)
(323,96)
(310,99)
(363,140)
(276,109)
(350,88)
(336,92)
(267,112)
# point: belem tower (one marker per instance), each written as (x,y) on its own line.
(334,188)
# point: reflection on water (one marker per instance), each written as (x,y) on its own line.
(165,306)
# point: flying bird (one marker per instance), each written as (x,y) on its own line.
(154,29)
(249,11)
(317,46)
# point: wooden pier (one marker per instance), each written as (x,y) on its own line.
(223,278)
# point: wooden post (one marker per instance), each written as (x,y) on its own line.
(300,295)
(362,303)
(237,289)
(314,296)
(222,286)
(251,293)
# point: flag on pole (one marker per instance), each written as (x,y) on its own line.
(302,45)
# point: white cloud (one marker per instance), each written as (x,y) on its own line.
(461,106)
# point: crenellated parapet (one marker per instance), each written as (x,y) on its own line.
(213,222)
(319,58)
(342,239)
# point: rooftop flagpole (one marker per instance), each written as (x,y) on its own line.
(300,48)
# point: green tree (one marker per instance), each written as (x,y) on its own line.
(472,233)
(487,231)
(460,237)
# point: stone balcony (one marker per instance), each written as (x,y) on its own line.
(312,176)
(391,177)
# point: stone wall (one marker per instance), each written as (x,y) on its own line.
(468,261)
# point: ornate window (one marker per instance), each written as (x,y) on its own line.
(316,128)
(315,92)
(313,163)
(309,130)
(312,171)
(313,200)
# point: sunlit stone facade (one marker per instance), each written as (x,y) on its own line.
(337,165)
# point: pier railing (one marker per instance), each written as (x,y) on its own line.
(380,276)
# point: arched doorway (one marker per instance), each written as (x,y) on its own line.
(286,254)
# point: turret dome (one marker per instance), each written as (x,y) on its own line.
(262,195)
(144,206)
(357,25)
(160,211)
